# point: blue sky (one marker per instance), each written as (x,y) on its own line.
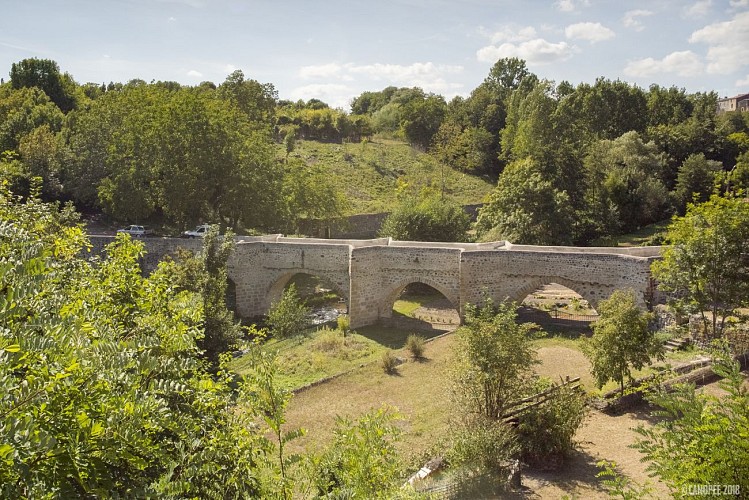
(334,50)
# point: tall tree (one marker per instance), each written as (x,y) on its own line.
(695,180)
(527,208)
(44,74)
(256,100)
(625,190)
(621,340)
(705,268)
(22,111)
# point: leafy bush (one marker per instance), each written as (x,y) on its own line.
(416,345)
(482,444)
(430,219)
(362,462)
(344,324)
(389,362)
(546,430)
(699,439)
(102,390)
(289,316)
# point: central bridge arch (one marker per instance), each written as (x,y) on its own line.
(396,290)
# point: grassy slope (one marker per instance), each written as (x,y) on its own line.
(648,235)
(369,173)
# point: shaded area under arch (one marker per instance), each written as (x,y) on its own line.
(558,309)
(420,306)
(326,299)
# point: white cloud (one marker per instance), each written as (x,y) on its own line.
(698,9)
(429,76)
(512,34)
(400,73)
(329,70)
(743,83)
(230,68)
(739,4)
(334,94)
(537,51)
(570,5)
(396,73)
(172,19)
(592,32)
(196,74)
(728,48)
(685,63)
(631,18)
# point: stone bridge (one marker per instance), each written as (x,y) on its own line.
(370,274)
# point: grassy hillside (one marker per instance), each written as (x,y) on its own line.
(371,173)
(651,235)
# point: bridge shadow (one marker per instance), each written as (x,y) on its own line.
(393,332)
(557,324)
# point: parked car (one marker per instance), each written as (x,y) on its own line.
(198,232)
(135,231)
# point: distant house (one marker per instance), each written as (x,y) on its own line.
(738,103)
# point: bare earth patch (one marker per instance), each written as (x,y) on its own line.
(420,392)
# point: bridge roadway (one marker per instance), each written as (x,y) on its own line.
(370,274)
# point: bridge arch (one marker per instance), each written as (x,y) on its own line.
(586,292)
(394,292)
(277,286)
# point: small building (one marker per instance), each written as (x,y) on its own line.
(737,103)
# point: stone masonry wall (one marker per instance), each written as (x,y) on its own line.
(260,270)
(515,274)
(379,274)
(370,274)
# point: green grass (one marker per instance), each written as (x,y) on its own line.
(410,300)
(407,306)
(323,354)
(326,352)
(648,235)
(371,174)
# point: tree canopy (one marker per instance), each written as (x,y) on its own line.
(705,267)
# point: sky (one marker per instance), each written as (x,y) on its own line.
(334,50)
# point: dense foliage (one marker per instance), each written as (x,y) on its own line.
(289,316)
(492,375)
(593,160)
(621,339)
(429,218)
(705,269)
(701,438)
(103,392)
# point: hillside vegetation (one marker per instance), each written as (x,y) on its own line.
(372,174)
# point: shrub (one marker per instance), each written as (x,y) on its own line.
(481,444)
(328,340)
(545,431)
(430,219)
(289,316)
(389,362)
(344,324)
(416,345)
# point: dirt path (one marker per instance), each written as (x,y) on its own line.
(414,392)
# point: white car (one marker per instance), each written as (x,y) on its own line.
(135,231)
(198,232)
